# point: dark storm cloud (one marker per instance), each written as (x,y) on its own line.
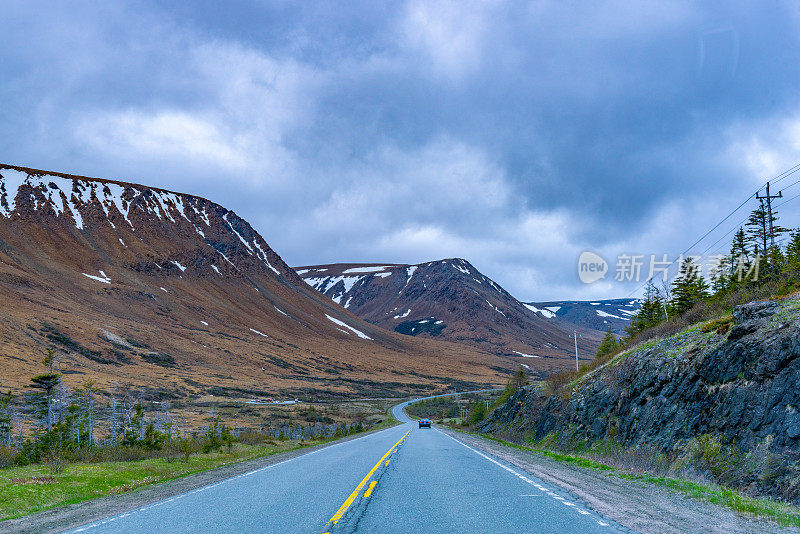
(513,134)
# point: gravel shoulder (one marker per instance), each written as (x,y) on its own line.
(639,506)
(75,515)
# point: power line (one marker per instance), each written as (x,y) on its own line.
(777,178)
(788,172)
(744,220)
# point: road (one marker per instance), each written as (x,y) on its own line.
(402,479)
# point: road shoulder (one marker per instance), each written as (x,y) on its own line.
(75,515)
(636,505)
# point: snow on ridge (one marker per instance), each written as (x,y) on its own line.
(301,272)
(382,275)
(237,234)
(178,265)
(11,180)
(216,269)
(357,332)
(406,314)
(102,278)
(460,268)
(361,270)
(323,283)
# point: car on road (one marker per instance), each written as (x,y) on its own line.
(424,423)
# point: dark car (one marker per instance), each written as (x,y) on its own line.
(424,423)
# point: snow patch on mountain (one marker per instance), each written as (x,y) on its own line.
(549,314)
(357,332)
(102,278)
(375,269)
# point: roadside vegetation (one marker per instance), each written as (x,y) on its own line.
(60,446)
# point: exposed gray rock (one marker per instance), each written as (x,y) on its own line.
(743,388)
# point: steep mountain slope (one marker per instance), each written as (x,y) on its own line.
(447,299)
(172,292)
(595,314)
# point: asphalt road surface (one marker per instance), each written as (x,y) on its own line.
(403,479)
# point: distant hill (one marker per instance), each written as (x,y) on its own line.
(179,296)
(449,299)
(590,314)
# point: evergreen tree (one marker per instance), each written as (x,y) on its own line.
(793,251)
(762,231)
(688,288)
(608,345)
(739,246)
(721,274)
(758,230)
(652,310)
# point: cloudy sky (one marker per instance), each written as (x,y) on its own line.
(513,134)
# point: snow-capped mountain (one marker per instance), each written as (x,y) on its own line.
(173,292)
(447,299)
(593,314)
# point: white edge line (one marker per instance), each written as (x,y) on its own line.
(526,479)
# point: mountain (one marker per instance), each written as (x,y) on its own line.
(448,299)
(594,315)
(178,295)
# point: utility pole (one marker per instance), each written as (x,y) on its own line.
(575,337)
(768,215)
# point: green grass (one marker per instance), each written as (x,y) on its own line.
(34,488)
(781,513)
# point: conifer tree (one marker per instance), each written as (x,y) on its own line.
(688,288)
(651,311)
(608,345)
(793,251)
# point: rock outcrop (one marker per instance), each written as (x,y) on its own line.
(738,383)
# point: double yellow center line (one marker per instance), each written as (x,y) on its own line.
(351,499)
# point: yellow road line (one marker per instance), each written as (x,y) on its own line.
(349,502)
(369,489)
(387,462)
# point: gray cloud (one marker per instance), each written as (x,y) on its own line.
(514,134)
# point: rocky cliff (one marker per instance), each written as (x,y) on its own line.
(733,384)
